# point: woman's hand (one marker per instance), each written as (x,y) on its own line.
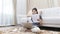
(40,21)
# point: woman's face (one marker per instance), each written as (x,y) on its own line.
(34,12)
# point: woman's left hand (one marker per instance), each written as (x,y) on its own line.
(38,19)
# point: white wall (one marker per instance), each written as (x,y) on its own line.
(21,10)
(21,7)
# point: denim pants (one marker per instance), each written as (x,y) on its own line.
(36,24)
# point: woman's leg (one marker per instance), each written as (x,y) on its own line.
(36,24)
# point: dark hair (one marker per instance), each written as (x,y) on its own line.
(35,10)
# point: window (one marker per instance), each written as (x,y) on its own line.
(6,12)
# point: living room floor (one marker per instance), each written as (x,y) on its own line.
(21,30)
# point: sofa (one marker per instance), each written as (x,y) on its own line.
(50,16)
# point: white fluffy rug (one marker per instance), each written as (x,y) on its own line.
(20,30)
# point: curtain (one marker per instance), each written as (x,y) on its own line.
(0,12)
(6,12)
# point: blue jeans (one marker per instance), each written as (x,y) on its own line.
(36,24)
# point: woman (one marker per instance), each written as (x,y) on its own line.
(36,19)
